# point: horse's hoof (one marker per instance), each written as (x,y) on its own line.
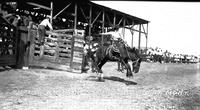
(129,75)
(127,83)
(101,79)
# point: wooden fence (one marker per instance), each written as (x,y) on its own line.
(63,49)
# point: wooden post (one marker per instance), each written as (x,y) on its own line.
(32,43)
(145,33)
(132,34)
(73,39)
(146,37)
(139,36)
(90,28)
(75,17)
(18,49)
(90,21)
(27,49)
(51,14)
(124,23)
(114,20)
(103,20)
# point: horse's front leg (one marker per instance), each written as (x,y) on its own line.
(128,68)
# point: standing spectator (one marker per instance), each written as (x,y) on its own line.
(41,29)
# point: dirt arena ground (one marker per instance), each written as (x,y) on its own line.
(155,87)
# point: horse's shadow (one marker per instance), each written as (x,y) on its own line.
(113,78)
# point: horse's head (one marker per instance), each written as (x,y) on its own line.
(136,60)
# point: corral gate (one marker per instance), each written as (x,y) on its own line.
(8,45)
(63,49)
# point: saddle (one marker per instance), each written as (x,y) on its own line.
(113,52)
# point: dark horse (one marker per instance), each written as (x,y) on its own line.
(120,52)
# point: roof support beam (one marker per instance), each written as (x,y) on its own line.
(128,22)
(108,20)
(51,13)
(40,6)
(135,30)
(123,29)
(84,14)
(139,40)
(96,18)
(144,30)
(132,33)
(103,23)
(114,20)
(120,21)
(61,11)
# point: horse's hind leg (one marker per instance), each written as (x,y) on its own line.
(101,63)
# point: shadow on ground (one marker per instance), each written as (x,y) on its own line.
(112,78)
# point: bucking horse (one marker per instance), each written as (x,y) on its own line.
(121,53)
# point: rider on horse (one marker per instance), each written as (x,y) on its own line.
(116,38)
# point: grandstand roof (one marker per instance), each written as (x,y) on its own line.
(85,4)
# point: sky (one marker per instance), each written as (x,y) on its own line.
(174,26)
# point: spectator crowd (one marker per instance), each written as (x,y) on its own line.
(159,55)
